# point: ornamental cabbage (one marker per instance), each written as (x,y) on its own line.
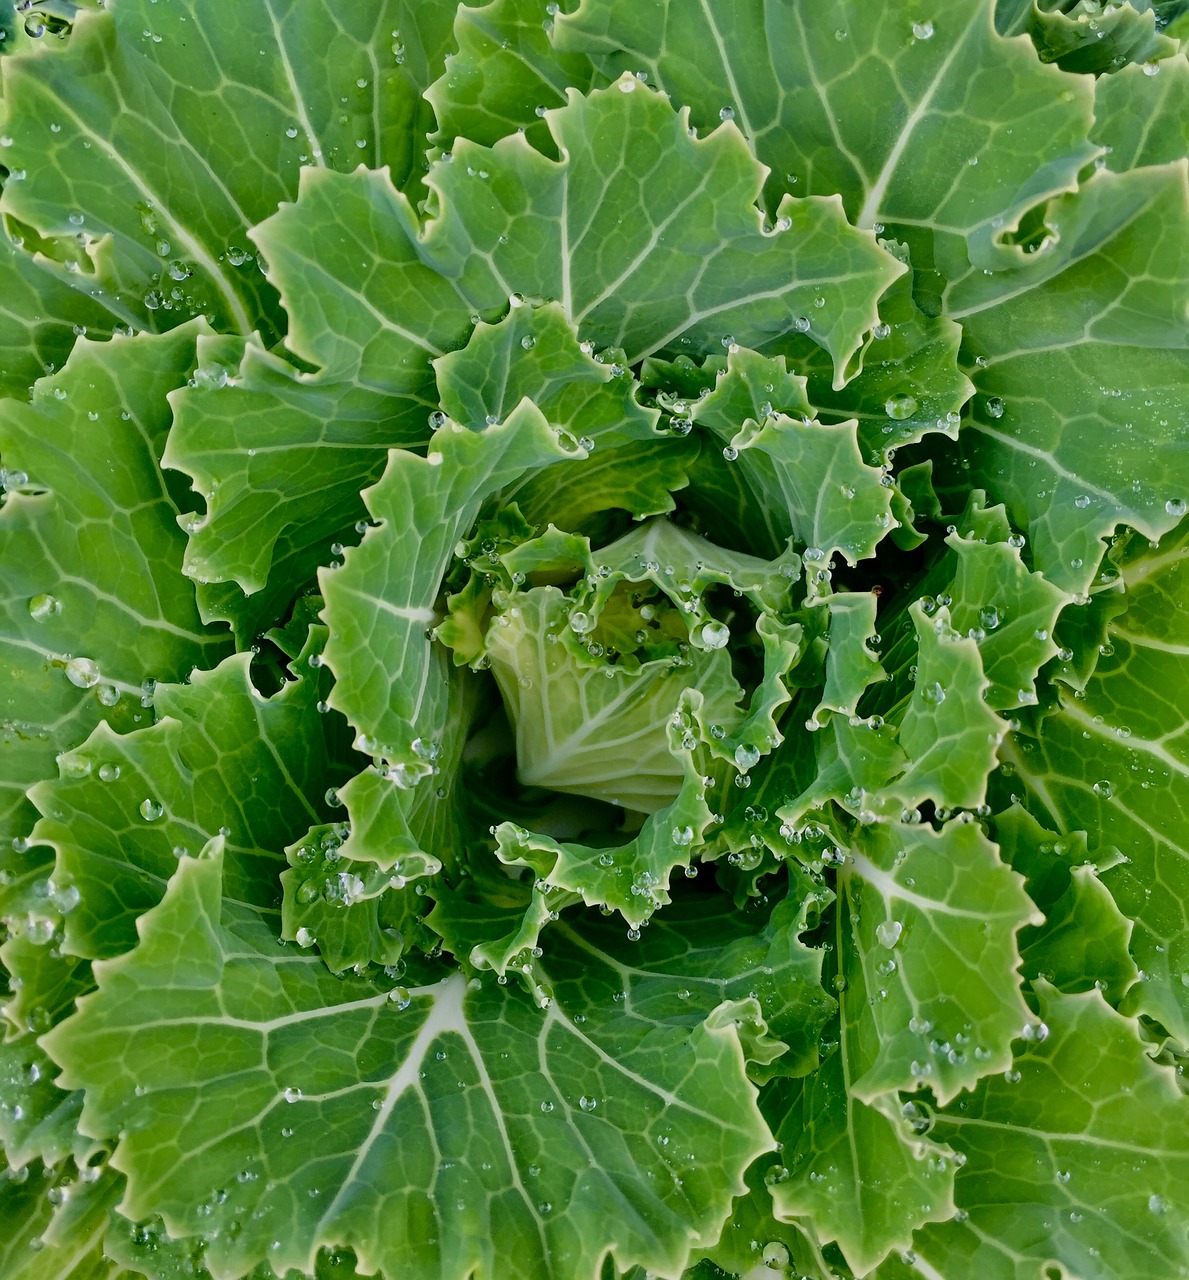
(593,629)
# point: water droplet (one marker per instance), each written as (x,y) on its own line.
(881,330)
(683,836)
(730,452)
(933,693)
(292,1095)
(528,342)
(726,114)
(1103,788)
(775,1255)
(746,756)
(995,407)
(587,1104)
(150,810)
(922,30)
(39,930)
(715,635)
(887,933)
(44,606)
(83,672)
(1176,507)
(801,324)
(899,407)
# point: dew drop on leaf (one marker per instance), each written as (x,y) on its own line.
(887,933)
(44,606)
(746,756)
(83,672)
(900,407)
(715,635)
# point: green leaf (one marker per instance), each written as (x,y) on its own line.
(128,806)
(1083,942)
(534,351)
(85,619)
(146,106)
(405,829)
(948,731)
(889,113)
(753,1236)
(38,1121)
(390,680)
(1010,613)
(358,890)
(910,384)
(675,571)
(639,478)
(1074,348)
(52,1225)
(1138,116)
(588,727)
(854,764)
(514,1143)
(832,1146)
(39,318)
(279,459)
(504,75)
(1113,762)
(1090,38)
(630,240)
(851,666)
(632,878)
(361,304)
(1098,1134)
(807,472)
(705,951)
(354,912)
(931,963)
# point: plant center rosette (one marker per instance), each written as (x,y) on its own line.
(592,777)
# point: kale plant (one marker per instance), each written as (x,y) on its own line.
(593,639)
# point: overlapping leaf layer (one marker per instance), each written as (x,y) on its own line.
(592,622)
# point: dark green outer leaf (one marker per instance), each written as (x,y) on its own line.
(1076,1160)
(1139,114)
(1079,358)
(147,105)
(1114,762)
(92,553)
(887,108)
(479,1119)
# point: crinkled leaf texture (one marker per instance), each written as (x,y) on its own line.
(592,628)
(456,1105)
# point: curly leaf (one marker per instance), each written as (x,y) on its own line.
(476,1107)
